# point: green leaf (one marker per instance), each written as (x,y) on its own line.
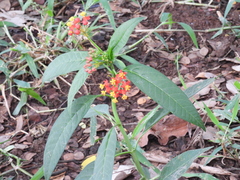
(190,32)
(217,33)
(130,59)
(8,24)
(22,102)
(35,95)
(122,34)
(97,110)
(62,130)
(228,8)
(180,164)
(3,68)
(105,157)
(213,118)
(119,64)
(38,175)
(32,65)
(87,172)
(65,63)
(161,39)
(236,83)
(191,91)
(26,5)
(109,12)
(77,83)
(50,7)
(164,92)
(93,129)
(22,84)
(200,175)
(90,3)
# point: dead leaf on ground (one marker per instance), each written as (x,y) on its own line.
(165,128)
(209,103)
(134,91)
(211,170)
(205,75)
(122,172)
(221,47)
(157,156)
(38,130)
(142,100)
(16,17)
(19,121)
(210,133)
(230,86)
(236,68)
(5,4)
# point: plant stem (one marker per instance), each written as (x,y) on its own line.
(93,43)
(127,141)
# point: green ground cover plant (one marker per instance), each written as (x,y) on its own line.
(169,97)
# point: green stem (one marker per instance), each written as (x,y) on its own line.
(93,43)
(127,141)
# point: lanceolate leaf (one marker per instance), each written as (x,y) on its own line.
(122,34)
(77,83)
(180,164)
(164,92)
(190,32)
(62,130)
(87,172)
(105,157)
(65,63)
(109,12)
(32,65)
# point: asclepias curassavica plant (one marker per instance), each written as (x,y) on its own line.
(170,99)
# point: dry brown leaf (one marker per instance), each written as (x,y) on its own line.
(205,75)
(134,91)
(236,68)
(203,51)
(210,133)
(211,170)
(28,156)
(185,60)
(68,156)
(122,172)
(230,86)
(142,100)
(78,155)
(170,126)
(209,103)
(158,156)
(5,4)
(19,121)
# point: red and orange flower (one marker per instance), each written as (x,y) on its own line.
(116,87)
(75,23)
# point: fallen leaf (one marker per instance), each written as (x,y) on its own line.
(169,126)
(209,103)
(5,4)
(19,121)
(205,75)
(16,17)
(78,155)
(185,60)
(236,68)
(68,156)
(203,51)
(210,133)
(230,86)
(142,100)
(122,172)
(134,91)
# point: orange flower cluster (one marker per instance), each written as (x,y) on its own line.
(117,87)
(89,68)
(75,23)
